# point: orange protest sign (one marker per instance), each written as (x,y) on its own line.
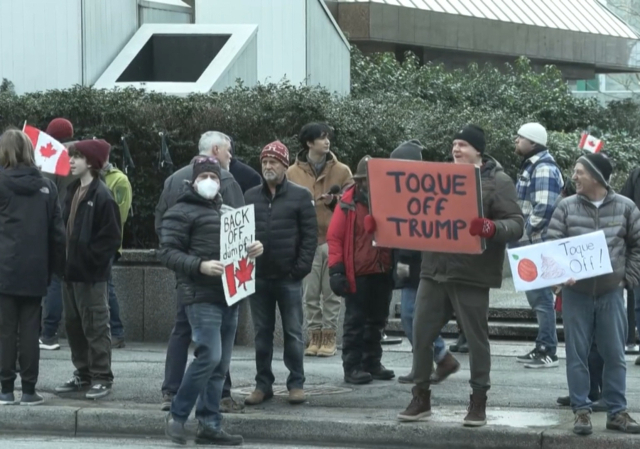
(425,206)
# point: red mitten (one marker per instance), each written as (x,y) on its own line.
(369,224)
(482,227)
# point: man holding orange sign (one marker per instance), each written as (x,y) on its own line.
(453,228)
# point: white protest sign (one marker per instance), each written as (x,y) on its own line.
(237,231)
(555,262)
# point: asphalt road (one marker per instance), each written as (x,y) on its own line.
(108,443)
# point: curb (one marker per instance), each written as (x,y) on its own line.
(112,422)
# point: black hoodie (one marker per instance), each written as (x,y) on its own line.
(32,237)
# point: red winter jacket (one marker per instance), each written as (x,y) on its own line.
(350,248)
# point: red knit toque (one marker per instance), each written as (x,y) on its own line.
(278,151)
(60,129)
(96,152)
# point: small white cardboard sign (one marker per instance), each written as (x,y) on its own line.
(238,230)
(553,263)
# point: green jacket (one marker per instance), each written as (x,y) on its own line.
(120,188)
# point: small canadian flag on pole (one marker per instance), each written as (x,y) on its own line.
(590,143)
(51,155)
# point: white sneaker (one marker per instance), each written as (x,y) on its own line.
(632,349)
(49,344)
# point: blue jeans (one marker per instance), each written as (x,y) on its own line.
(286,294)
(178,354)
(213,327)
(542,302)
(603,319)
(407,309)
(117,329)
(52,309)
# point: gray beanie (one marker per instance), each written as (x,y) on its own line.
(410,150)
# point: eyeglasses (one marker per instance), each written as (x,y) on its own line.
(210,159)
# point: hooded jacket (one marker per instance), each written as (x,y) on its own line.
(334,173)
(96,235)
(175,185)
(499,203)
(619,218)
(244,175)
(190,234)
(32,236)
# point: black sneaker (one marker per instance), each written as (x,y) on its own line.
(166,402)
(72,385)
(49,344)
(98,390)
(206,435)
(357,377)
(528,357)
(381,373)
(7,399)
(31,399)
(543,360)
(564,401)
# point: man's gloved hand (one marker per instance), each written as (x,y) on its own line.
(482,227)
(339,284)
(402,270)
(369,224)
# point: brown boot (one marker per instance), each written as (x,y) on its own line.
(477,416)
(420,407)
(328,348)
(296,396)
(446,367)
(314,344)
(258,397)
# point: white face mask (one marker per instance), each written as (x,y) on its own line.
(208,188)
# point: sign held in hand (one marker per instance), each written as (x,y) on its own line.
(554,263)
(425,206)
(238,231)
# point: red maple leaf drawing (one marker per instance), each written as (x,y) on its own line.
(48,150)
(244,272)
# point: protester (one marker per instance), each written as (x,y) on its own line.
(460,283)
(190,246)
(62,130)
(407,270)
(631,190)
(32,249)
(318,169)
(120,188)
(361,273)
(244,175)
(539,186)
(212,144)
(286,224)
(93,238)
(593,309)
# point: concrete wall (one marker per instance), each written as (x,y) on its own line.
(150,11)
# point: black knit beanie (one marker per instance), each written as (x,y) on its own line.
(474,135)
(598,165)
(205,165)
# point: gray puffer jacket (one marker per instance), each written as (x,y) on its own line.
(619,218)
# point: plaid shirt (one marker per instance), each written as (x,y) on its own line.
(538,194)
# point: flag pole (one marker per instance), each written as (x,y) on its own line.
(24,126)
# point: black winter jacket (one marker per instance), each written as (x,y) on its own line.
(32,238)
(190,234)
(96,236)
(244,175)
(288,229)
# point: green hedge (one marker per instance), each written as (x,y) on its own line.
(390,102)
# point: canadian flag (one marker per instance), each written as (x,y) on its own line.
(51,155)
(590,143)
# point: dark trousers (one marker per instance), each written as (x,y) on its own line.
(52,309)
(631,316)
(19,315)
(286,294)
(178,354)
(86,320)
(596,367)
(366,312)
(435,304)
(117,329)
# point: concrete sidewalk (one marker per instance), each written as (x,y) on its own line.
(522,411)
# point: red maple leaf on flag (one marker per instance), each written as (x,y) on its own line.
(244,272)
(48,150)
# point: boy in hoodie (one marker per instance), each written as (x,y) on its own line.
(120,188)
(408,275)
(93,238)
(460,283)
